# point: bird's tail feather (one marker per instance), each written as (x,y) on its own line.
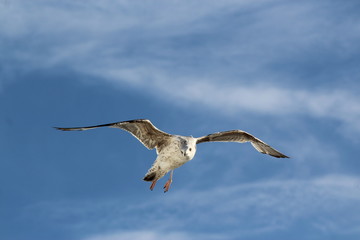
(150,177)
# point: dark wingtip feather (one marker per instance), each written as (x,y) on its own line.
(59,128)
(280,156)
(68,129)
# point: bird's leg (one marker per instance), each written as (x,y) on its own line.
(153,185)
(168,183)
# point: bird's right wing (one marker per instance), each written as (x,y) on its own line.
(241,137)
(142,129)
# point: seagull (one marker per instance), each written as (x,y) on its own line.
(174,150)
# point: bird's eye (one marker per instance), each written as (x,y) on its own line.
(190,149)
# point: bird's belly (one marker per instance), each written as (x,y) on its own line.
(177,162)
(173,155)
(172,159)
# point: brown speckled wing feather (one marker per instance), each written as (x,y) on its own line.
(241,137)
(142,129)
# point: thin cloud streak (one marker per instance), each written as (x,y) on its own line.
(244,209)
(263,98)
(152,235)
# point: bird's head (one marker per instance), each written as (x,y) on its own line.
(189,148)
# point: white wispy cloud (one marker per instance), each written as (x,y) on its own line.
(264,98)
(136,44)
(328,205)
(152,235)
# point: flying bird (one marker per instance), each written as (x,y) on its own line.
(174,150)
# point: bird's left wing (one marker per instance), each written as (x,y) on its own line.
(241,137)
(142,129)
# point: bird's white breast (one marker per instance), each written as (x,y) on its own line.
(174,155)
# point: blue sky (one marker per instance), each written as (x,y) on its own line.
(286,71)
